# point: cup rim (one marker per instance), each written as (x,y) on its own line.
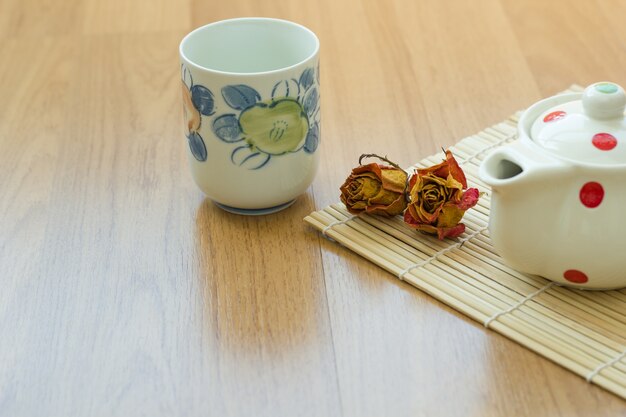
(241,19)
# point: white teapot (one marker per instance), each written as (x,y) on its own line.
(558,206)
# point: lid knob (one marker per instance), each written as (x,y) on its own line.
(604,100)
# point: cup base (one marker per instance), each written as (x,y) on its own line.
(254,212)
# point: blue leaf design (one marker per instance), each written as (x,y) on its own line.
(240,96)
(202,99)
(186,76)
(286,88)
(227,128)
(311,99)
(244,156)
(312,139)
(307,78)
(317,73)
(197,147)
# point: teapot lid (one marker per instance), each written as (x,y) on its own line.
(591,129)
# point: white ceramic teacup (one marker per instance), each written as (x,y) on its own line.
(252,111)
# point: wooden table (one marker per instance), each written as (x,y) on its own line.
(126,293)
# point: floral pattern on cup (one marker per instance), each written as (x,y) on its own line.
(287,122)
(198,101)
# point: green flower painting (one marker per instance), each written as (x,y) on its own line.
(287,122)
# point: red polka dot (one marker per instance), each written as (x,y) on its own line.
(591,194)
(575,276)
(604,141)
(554,116)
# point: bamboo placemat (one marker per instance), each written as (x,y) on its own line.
(583,331)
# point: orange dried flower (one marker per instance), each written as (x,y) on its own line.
(375,189)
(439,198)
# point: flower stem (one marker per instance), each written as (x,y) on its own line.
(382,158)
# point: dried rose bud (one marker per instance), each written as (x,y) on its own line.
(375,189)
(439,199)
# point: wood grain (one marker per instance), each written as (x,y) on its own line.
(125,292)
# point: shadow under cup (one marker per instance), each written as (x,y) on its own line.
(251,100)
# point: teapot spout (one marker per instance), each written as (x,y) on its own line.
(500,169)
(516,164)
